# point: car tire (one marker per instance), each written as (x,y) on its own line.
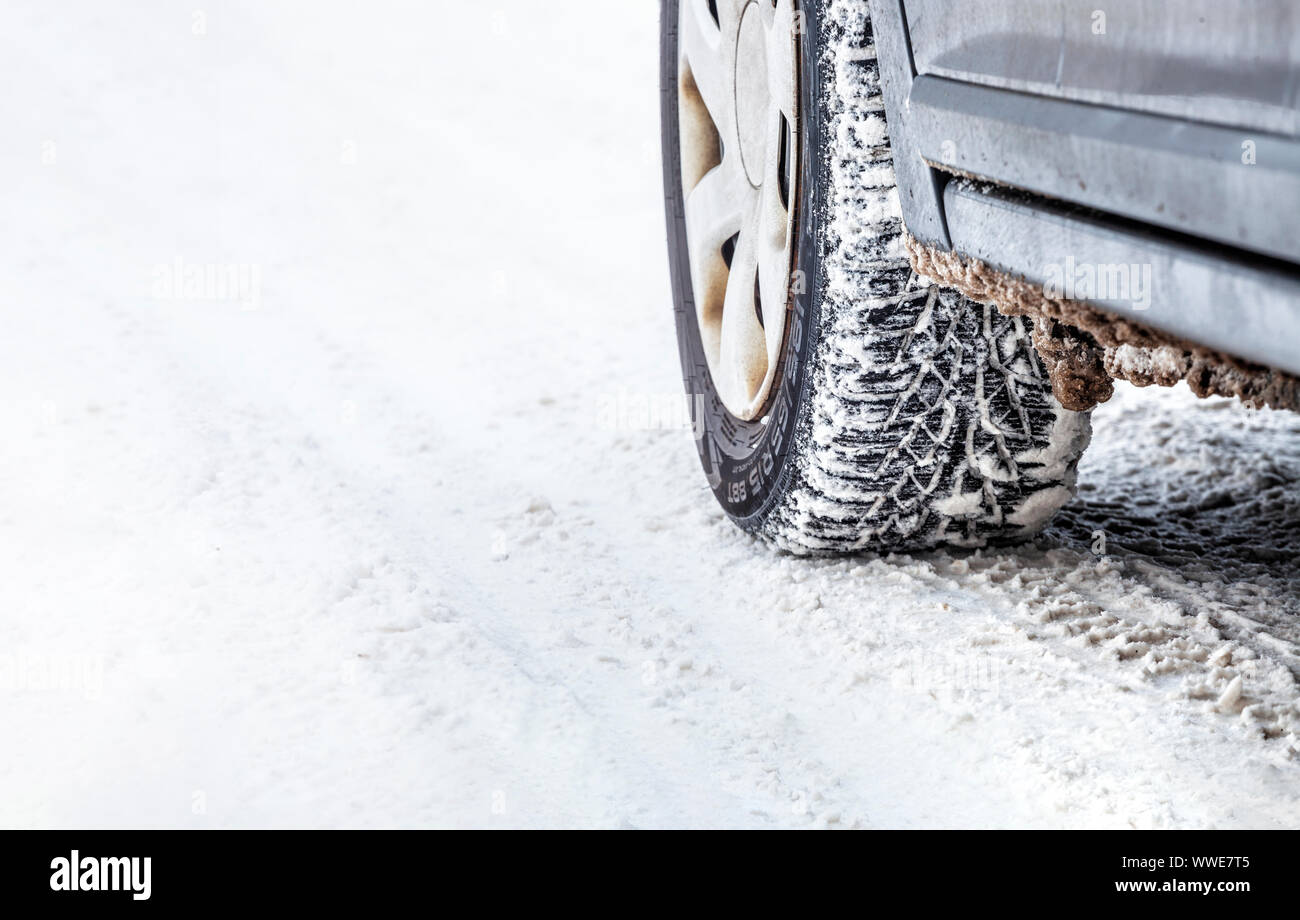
(871,410)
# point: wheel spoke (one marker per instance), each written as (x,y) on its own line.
(717,207)
(716,210)
(743,346)
(773,216)
(710,59)
(728,14)
(781,79)
(774,297)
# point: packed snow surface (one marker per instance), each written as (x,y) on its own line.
(342,484)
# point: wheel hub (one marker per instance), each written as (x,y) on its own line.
(739,127)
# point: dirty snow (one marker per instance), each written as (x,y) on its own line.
(381,534)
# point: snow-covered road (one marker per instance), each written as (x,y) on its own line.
(385,534)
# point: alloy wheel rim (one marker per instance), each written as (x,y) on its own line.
(739,129)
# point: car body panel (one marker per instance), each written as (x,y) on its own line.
(1167,142)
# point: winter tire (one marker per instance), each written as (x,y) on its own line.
(841,402)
